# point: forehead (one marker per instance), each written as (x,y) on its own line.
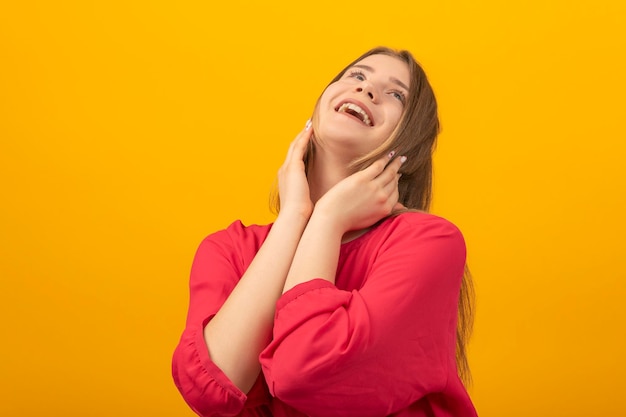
(387,66)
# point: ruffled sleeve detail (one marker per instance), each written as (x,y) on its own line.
(219,263)
(205,388)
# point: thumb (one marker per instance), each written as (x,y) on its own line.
(398,207)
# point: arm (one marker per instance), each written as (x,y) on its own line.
(242,310)
(355,203)
(242,327)
(383,346)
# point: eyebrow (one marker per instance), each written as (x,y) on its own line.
(393,79)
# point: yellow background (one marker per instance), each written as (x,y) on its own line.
(130,130)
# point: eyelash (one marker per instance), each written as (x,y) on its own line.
(361,77)
(356,74)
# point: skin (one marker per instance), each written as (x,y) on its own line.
(317,212)
(339,138)
(372,84)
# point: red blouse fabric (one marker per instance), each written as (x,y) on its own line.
(379,342)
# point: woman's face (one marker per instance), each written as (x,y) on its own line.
(359,112)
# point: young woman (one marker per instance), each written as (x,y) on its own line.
(353,302)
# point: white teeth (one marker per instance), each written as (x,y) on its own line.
(356,109)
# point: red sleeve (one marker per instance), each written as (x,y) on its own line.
(217,267)
(378,349)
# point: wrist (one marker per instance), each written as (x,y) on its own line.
(294,216)
(327,222)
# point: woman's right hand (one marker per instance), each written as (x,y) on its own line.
(242,327)
(293,186)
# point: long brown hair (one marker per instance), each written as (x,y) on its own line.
(415,137)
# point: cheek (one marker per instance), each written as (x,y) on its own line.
(397,116)
(327,96)
(393,117)
(397,113)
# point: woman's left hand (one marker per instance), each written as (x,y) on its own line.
(363,198)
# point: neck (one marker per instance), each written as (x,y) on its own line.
(324,171)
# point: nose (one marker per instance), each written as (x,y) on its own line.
(368,90)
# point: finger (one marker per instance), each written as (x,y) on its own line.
(398,207)
(390,173)
(389,202)
(299,144)
(393,200)
(392,185)
(378,166)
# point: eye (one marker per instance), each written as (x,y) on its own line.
(357,74)
(399,95)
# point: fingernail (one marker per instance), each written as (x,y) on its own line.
(402,159)
(391,154)
(307,126)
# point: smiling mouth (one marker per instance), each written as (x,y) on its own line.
(356,111)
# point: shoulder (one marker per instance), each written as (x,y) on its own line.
(419,237)
(237,236)
(254,232)
(414,224)
(237,231)
(232,247)
(427,243)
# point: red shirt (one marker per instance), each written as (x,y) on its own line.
(379,342)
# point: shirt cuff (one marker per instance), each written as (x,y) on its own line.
(300,289)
